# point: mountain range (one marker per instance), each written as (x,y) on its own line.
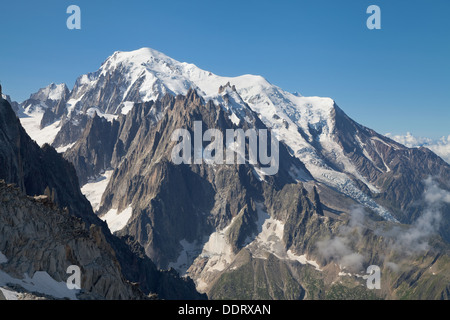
(345,197)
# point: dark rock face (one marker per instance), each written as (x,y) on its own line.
(38,236)
(93,152)
(47,118)
(102,144)
(187,203)
(259,279)
(55,110)
(138,268)
(105,95)
(173,204)
(14,105)
(178,206)
(145,176)
(52,99)
(71,130)
(39,171)
(399,172)
(34,169)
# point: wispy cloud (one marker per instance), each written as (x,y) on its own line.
(339,247)
(441,146)
(415,238)
(404,240)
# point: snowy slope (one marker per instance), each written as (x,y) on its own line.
(31,122)
(44,98)
(51,92)
(304,124)
(117,220)
(287,114)
(32,111)
(93,190)
(40,282)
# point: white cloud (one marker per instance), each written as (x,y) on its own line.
(339,250)
(393,266)
(339,247)
(441,146)
(407,240)
(415,238)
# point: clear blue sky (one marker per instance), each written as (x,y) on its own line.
(396,79)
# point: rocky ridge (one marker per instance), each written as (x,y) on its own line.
(45,174)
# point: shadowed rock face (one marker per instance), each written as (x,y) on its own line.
(177,209)
(39,171)
(182,211)
(123,80)
(37,236)
(174,202)
(399,172)
(71,130)
(93,153)
(51,100)
(243,235)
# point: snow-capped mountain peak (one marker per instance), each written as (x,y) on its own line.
(51,92)
(302,123)
(146,74)
(305,124)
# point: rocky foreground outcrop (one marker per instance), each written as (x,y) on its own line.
(57,226)
(36,236)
